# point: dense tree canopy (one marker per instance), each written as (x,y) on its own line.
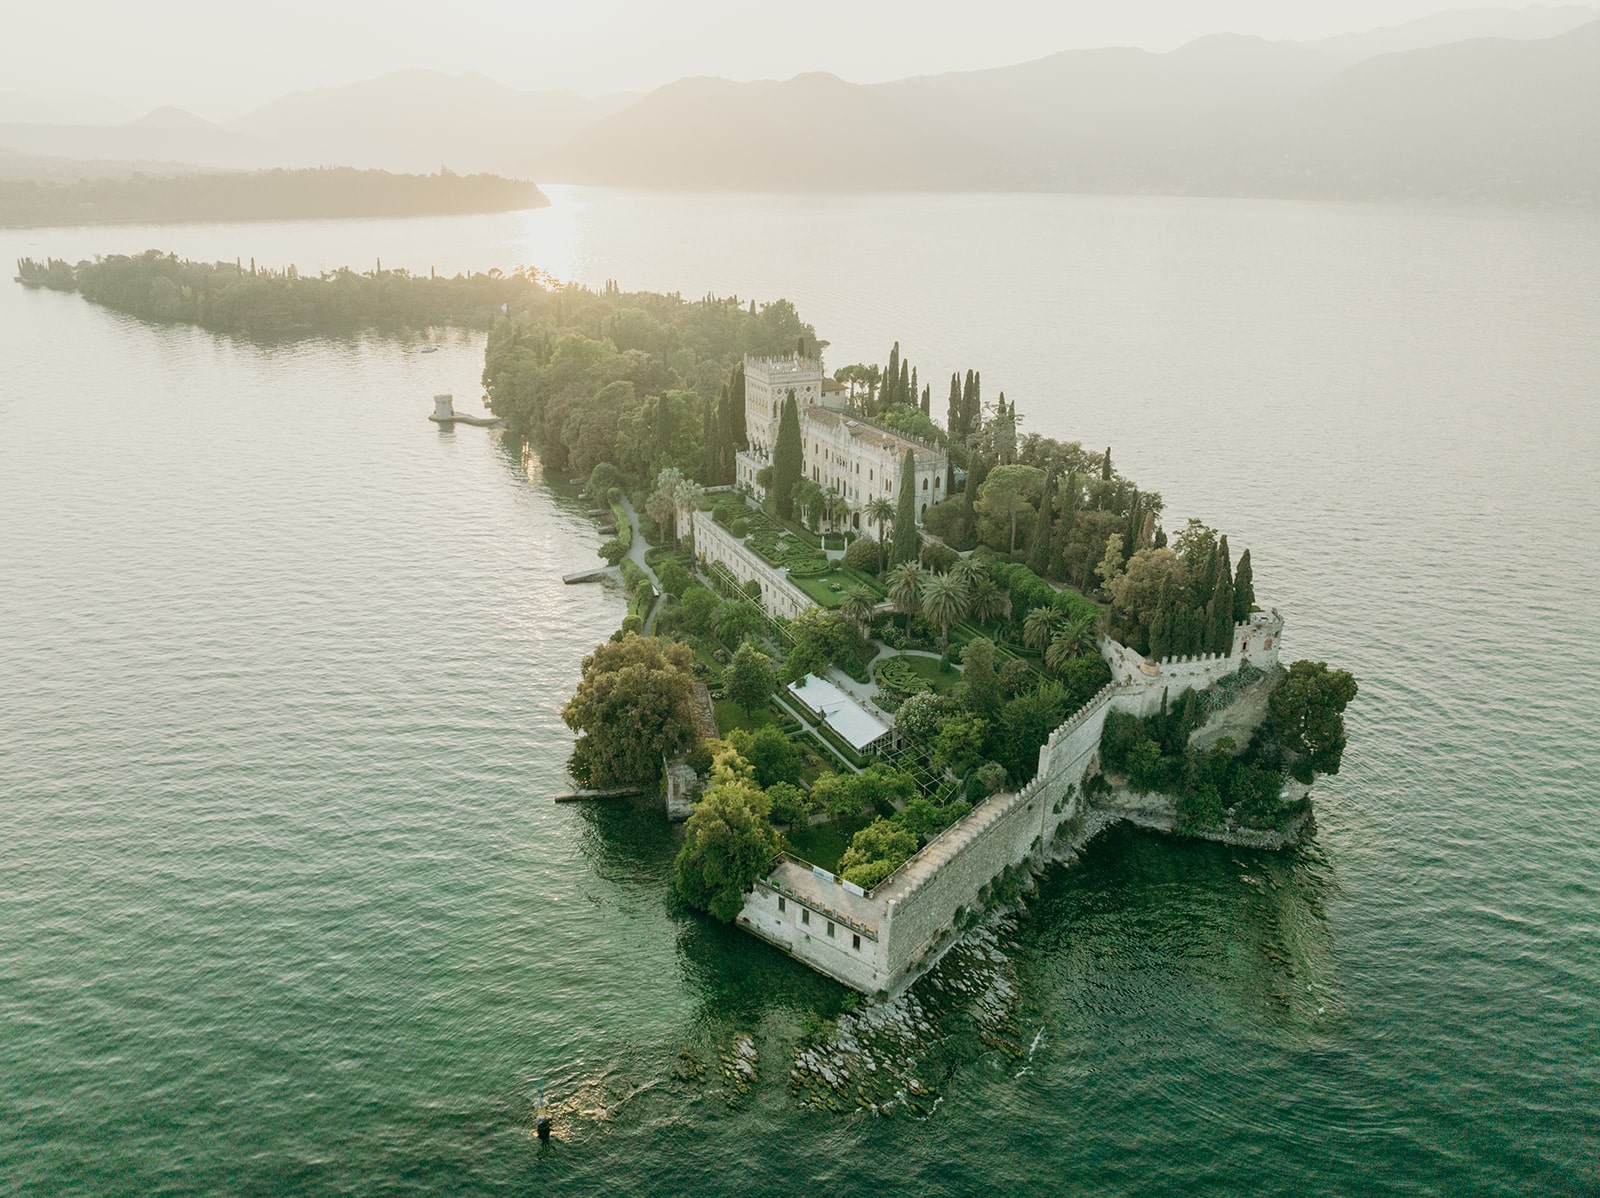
(631,708)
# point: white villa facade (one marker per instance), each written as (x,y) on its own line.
(857,459)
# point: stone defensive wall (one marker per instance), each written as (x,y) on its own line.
(779,596)
(880,941)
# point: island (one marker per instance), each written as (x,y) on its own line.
(313,194)
(884,667)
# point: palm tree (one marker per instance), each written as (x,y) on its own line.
(880,511)
(858,604)
(986,600)
(1068,641)
(1038,627)
(944,601)
(905,589)
(968,570)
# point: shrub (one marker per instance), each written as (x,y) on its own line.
(938,558)
(613,551)
(740,526)
(863,555)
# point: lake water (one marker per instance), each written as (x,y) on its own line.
(287,907)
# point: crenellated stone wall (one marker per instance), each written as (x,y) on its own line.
(918,910)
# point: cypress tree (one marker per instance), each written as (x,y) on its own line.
(1161,625)
(1219,611)
(927,400)
(1039,556)
(891,377)
(1105,466)
(952,414)
(725,447)
(911,395)
(787,460)
(741,432)
(1244,591)
(663,427)
(975,409)
(905,541)
(903,391)
(708,442)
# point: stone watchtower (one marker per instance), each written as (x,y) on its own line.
(444,407)
(766,382)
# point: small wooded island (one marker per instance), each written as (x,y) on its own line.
(315,194)
(885,667)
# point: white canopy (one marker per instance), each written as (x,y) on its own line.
(840,712)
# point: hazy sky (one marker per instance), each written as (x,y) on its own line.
(220,59)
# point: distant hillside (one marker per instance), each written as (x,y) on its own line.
(1224,115)
(1457,25)
(269,195)
(418,120)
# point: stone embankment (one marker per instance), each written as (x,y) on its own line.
(1159,813)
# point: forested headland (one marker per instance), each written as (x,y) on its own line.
(239,297)
(332,192)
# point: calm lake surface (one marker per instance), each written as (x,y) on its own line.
(287,907)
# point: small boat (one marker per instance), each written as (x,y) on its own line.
(430,349)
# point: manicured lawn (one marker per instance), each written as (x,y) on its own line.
(730,716)
(824,844)
(927,668)
(821,589)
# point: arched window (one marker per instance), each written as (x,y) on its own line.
(924,484)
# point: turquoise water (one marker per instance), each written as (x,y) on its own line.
(287,907)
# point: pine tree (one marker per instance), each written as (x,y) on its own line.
(905,541)
(1244,591)
(1039,556)
(787,459)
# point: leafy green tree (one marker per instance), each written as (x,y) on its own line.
(906,540)
(837,794)
(697,608)
(919,720)
(1026,722)
(729,843)
(807,498)
(980,685)
(749,678)
(1307,710)
(865,553)
(790,804)
(1244,591)
(1007,492)
(823,639)
(740,623)
(787,458)
(773,757)
(877,851)
(633,706)
(674,579)
(927,817)
(959,745)
(944,602)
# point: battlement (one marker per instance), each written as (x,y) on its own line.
(793,366)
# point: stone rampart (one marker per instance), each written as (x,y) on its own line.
(918,910)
